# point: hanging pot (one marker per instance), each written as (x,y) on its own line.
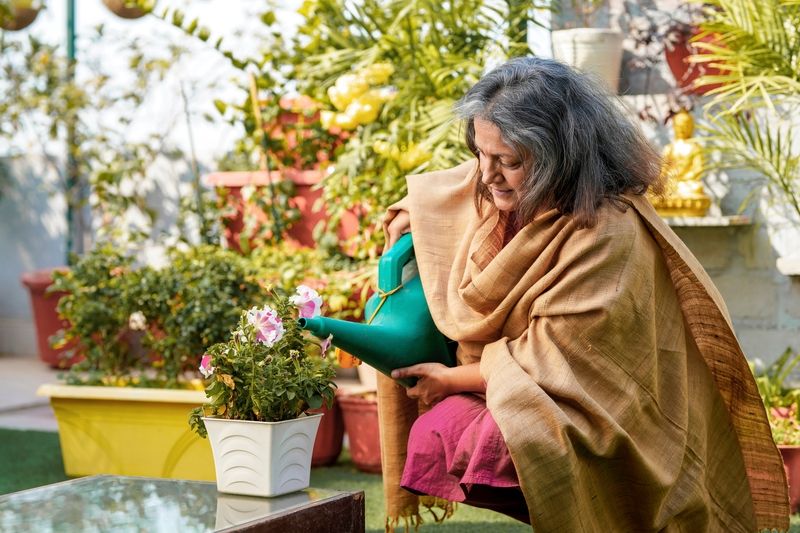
(21,14)
(127,9)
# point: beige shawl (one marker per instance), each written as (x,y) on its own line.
(611,366)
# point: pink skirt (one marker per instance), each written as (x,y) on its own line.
(456,452)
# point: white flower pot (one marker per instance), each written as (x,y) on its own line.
(594,50)
(262,458)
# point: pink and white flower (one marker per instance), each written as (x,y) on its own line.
(269,326)
(205,366)
(308,301)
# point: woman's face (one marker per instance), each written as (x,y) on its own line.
(501,170)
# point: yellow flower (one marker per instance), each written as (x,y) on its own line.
(346,89)
(414,156)
(378,73)
(337,98)
(365,108)
(327,118)
(345,121)
(381,148)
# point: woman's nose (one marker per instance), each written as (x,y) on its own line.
(488,171)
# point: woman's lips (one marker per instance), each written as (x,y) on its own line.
(502,192)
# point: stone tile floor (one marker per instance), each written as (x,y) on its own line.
(20,408)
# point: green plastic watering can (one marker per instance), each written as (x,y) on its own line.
(399,331)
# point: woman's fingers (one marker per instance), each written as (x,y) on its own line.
(399,225)
(420,370)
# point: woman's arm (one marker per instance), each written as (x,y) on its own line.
(437,381)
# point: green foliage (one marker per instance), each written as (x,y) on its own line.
(435,54)
(99,291)
(343,283)
(191,304)
(780,400)
(148,327)
(757,47)
(256,380)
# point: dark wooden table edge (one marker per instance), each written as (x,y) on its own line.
(340,513)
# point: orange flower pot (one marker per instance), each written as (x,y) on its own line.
(361,424)
(46,320)
(328,444)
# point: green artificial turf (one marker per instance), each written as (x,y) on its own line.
(33,458)
(29,459)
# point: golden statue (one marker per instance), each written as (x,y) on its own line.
(682,168)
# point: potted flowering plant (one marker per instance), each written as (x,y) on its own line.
(260,385)
(781,402)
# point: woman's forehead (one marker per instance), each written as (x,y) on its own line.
(489,139)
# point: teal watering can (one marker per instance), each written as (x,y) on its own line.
(399,331)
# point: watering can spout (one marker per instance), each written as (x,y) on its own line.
(400,331)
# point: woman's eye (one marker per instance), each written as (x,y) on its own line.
(511,166)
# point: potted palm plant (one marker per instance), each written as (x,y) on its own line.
(260,385)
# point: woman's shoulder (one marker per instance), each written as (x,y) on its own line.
(445,177)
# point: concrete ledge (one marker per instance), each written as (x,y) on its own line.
(709,222)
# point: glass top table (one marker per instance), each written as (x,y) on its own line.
(128,504)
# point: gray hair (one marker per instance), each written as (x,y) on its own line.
(578,147)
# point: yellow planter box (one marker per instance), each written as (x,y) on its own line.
(129,432)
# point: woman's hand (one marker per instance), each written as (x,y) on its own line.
(437,381)
(400,224)
(434,383)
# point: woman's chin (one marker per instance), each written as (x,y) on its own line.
(504,204)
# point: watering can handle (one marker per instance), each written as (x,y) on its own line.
(390,266)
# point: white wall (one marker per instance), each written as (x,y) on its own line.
(32,208)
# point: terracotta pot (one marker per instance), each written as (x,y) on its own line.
(307,195)
(45,318)
(328,445)
(361,423)
(119,8)
(686,73)
(21,18)
(791,463)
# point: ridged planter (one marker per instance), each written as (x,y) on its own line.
(262,458)
(129,432)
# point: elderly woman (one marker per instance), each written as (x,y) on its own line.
(600,386)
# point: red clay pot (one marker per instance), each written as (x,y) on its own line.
(304,180)
(330,434)
(686,73)
(791,463)
(361,423)
(46,319)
